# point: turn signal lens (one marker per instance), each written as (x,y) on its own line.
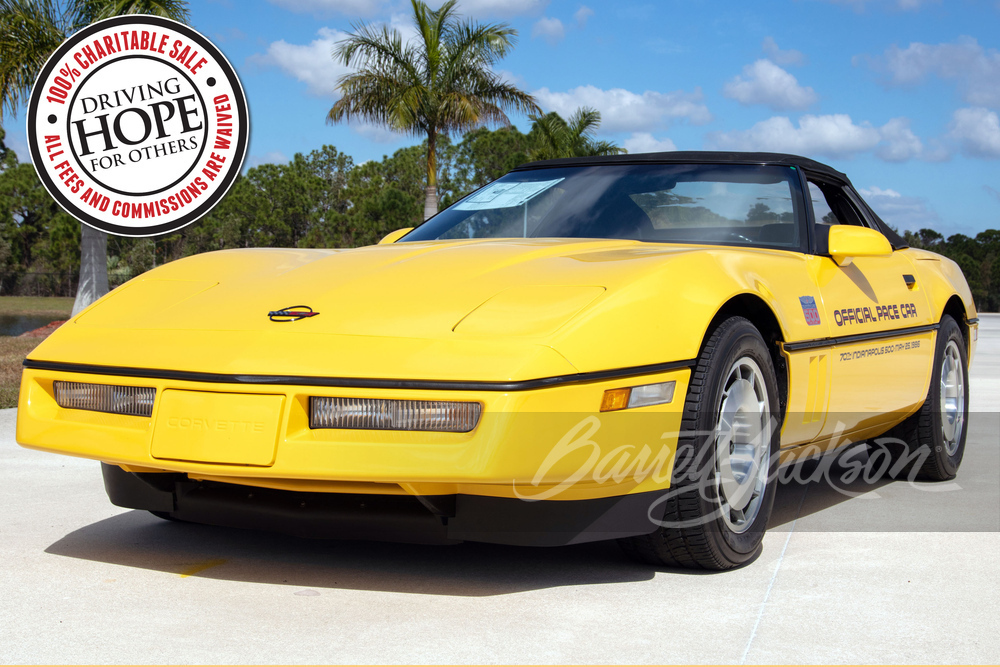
(615,399)
(638,397)
(389,415)
(120,400)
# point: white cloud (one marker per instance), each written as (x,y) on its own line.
(900,211)
(875,191)
(510,78)
(368,8)
(497,7)
(899,144)
(788,57)
(625,111)
(312,64)
(328,7)
(272,157)
(905,5)
(834,135)
(976,70)
(549,29)
(377,133)
(763,82)
(644,142)
(977,132)
(582,15)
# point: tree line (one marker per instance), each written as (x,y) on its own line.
(978,257)
(323,199)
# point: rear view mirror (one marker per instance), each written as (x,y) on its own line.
(847,241)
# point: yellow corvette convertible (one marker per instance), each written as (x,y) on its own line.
(603,348)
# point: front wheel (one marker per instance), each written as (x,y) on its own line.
(723,482)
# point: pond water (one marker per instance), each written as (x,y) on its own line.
(15,325)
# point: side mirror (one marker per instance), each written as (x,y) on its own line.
(392,237)
(847,241)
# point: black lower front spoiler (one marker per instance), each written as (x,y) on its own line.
(424,520)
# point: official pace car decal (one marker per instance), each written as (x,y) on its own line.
(137,125)
(809,310)
(865,314)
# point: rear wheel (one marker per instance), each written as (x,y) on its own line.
(723,482)
(932,441)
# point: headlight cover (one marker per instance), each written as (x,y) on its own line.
(116,399)
(393,415)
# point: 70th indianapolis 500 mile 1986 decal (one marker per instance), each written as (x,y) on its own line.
(137,125)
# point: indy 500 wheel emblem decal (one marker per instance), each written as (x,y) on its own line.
(137,125)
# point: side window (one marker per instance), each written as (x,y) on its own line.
(832,207)
(821,209)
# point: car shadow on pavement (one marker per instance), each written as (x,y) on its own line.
(821,495)
(138,539)
(820,484)
(847,491)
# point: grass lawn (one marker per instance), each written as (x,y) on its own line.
(58,307)
(13,350)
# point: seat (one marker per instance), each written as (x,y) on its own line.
(783,233)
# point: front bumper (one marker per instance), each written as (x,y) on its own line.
(442,519)
(547,443)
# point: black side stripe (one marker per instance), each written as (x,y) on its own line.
(857,338)
(363,383)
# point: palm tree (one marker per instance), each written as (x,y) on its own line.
(30,30)
(553,137)
(441,82)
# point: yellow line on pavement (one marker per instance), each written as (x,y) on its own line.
(201,567)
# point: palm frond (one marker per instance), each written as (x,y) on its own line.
(171,9)
(441,81)
(29,33)
(584,123)
(30,30)
(603,147)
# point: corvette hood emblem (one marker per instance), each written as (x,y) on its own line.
(291,314)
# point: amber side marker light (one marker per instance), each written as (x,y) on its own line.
(116,399)
(637,397)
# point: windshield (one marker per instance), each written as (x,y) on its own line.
(728,204)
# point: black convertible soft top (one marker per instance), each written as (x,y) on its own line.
(721,157)
(695,157)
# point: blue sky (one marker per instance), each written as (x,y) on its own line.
(902,95)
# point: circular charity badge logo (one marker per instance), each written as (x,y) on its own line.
(137,125)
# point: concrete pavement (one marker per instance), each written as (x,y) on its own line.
(892,573)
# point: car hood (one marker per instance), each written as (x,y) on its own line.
(496,308)
(415,289)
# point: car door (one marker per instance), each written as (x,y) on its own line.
(880,322)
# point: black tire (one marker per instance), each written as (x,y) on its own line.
(694,534)
(917,447)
